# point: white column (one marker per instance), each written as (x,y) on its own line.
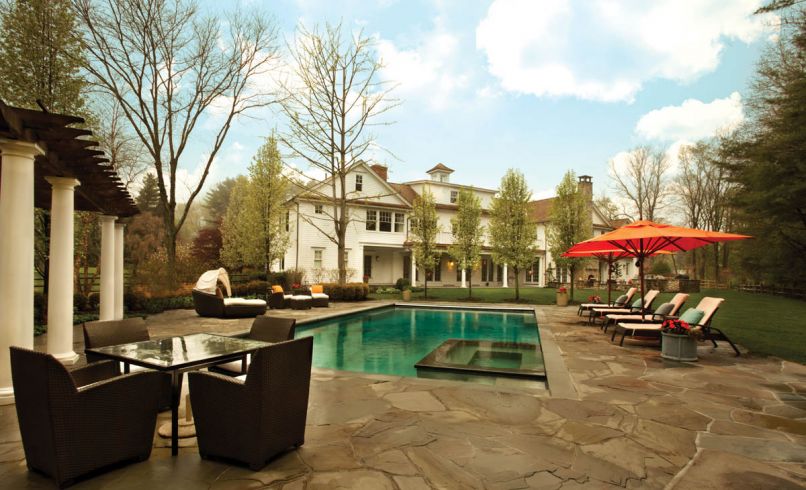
(506,277)
(413,271)
(107,268)
(16,255)
(60,289)
(119,227)
(464,279)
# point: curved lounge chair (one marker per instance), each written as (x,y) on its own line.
(214,306)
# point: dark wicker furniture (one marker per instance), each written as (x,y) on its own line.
(266,329)
(115,332)
(214,306)
(177,355)
(68,431)
(254,420)
(278,300)
(299,302)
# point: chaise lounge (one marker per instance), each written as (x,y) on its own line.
(209,301)
(672,308)
(620,302)
(639,306)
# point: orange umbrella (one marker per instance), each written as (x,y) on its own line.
(644,238)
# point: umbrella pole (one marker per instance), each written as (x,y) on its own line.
(609,274)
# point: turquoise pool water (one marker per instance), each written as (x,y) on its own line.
(392,340)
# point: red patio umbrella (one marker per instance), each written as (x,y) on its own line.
(645,238)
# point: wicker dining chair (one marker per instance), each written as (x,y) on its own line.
(70,430)
(114,332)
(265,328)
(254,420)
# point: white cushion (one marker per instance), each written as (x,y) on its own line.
(288,296)
(241,377)
(319,295)
(300,296)
(243,302)
(233,366)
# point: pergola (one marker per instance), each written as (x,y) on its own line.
(48,164)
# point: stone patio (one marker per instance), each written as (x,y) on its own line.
(635,421)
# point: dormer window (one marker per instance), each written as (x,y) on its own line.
(454,195)
(359,183)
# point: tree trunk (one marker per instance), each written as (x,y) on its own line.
(468,274)
(517,285)
(694,272)
(425,284)
(716,264)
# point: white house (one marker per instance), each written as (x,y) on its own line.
(378,245)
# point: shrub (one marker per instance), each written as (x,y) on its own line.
(255,288)
(352,291)
(93,301)
(39,308)
(403,284)
(80,302)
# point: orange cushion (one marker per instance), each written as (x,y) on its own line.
(276,289)
(317,289)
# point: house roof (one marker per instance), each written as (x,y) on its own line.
(67,153)
(541,210)
(405,191)
(439,168)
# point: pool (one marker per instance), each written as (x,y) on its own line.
(391,340)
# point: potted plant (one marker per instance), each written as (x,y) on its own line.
(404,285)
(594,298)
(679,340)
(562,296)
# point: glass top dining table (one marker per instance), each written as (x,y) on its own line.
(177,355)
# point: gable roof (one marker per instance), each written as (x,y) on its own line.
(540,210)
(405,191)
(439,168)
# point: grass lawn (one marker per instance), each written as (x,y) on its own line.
(762,323)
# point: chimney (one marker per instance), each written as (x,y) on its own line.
(586,185)
(381,170)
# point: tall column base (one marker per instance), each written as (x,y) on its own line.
(67,358)
(7,396)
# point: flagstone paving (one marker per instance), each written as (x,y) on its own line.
(637,422)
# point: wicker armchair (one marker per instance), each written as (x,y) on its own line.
(114,332)
(253,421)
(265,328)
(69,431)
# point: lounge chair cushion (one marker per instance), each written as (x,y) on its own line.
(276,289)
(621,299)
(664,309)
(692,316)
(638,303)
(243,302)
(317,289)
(319,295)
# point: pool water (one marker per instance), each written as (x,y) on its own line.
(392,340)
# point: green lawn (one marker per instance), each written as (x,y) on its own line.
(764,324)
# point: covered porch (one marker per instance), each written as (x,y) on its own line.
(49,165)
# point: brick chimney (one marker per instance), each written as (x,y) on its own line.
(381,170)
(586,185)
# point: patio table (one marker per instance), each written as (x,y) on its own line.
(178,355)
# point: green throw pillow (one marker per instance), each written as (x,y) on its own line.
(637,304)
(692,316)
(621,299)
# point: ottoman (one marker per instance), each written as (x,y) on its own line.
(300,302)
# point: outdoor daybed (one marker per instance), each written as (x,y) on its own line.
(209,301)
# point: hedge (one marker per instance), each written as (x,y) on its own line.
(352,291)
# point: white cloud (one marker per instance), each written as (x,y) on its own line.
(187,180)
(693,119)
(606,50)
(427,69)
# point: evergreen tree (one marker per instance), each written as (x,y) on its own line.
(570,223)
(217,200)
(41,55)
(467,234)
(512,230)
(424,229)
(148,199)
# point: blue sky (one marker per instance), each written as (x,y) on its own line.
(542,86)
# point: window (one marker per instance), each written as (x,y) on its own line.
(317,208)
(359,183)
(533,272)
(454,195)
(485,264)
(346,256)
(407,267)
(458,272)
(287,222)
(372,219)
(386,221)
(368,266)
(317,258)
(400,220)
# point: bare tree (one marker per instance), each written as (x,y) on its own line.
(335,98)
(125,151)
(643,181)
(167,67)
(691,187)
